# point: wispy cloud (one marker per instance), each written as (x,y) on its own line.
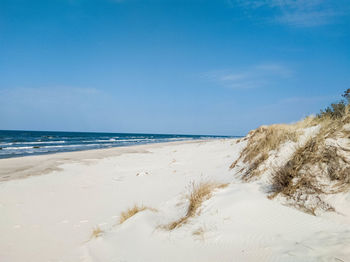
(252,77)
(297,13)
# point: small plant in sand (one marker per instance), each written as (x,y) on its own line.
(199,233)
(133,211)
(97,232)
(198,194)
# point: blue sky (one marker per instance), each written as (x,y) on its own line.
(195,67)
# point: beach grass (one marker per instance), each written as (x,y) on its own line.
(198,194)
(133,211)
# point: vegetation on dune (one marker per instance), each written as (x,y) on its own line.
(198,194)
(262,141)
(133,211)
(336,110)
(318,167)
(97,232)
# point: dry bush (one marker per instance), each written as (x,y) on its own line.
(299,178)
(317,161)
(282,178)
(339,175)
(132,211)
(269,138)
(321,166)
(199,193)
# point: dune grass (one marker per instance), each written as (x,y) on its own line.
(310,160)
(265,139)
(198,194)
(303,178)
(261,142)
(96,232)
(318,167)
(133,211)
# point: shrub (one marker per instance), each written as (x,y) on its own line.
(336,110)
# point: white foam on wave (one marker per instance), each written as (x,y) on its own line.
(17,148)
(57,146)
(32,143)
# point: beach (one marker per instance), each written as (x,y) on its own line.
(67,207)
(175,131)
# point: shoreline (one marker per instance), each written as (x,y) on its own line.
(22,167)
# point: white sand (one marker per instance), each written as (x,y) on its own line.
(50,217)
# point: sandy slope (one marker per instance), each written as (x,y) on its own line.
(51,217)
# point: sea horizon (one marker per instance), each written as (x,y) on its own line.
(18,143)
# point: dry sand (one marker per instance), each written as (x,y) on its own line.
(50,205)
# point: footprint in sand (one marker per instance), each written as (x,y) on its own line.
(143,173)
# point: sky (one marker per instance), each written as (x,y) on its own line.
(219,67)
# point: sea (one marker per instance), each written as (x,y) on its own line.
(25,143)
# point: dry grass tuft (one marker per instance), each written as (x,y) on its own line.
(133,211)
(299,179)
(199,193)
(261,142)
(97,232)
(199,233)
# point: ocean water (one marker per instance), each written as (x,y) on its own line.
(23,143)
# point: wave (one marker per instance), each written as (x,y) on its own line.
(49,147)
(119,140)
(42,142)
(123,141)
(32,143)
(16,148)
(84,143)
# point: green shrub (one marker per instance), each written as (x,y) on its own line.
(336,110)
